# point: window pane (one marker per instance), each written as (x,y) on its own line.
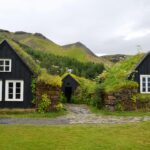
(148,89)
(144,89)
(143,84)
(18,85)
(6,68)
(18,96)
(7,62)
(10,85)
(10,90)
(1,68)
(10,96)
(18,90)
(143,79)
(1,62)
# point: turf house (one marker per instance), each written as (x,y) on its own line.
(69,85)
(126,84)
(23,84)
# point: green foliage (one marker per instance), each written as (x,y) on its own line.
(33,86)
(60,64)
(44,104)
(59,106)
(49,79)
(118,106)
(143,97)
(63,98)
(115,78)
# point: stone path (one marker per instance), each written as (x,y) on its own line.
(78,114)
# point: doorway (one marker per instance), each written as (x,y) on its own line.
(68,94)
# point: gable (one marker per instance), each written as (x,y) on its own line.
(6,51)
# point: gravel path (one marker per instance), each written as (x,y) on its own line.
(78,114)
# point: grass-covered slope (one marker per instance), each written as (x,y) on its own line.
(39,42)
(116,77)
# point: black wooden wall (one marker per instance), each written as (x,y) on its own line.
(19,71)
(142,69)
(68,81)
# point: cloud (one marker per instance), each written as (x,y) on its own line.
(104,26)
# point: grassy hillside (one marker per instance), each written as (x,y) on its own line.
(115,58)
(39,42)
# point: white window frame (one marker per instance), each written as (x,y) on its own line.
(4,65)
(1,89)
(14,90)
(146,84)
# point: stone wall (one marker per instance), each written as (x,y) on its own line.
(123,100)
(53,94)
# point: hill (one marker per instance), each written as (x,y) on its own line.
(115,58)
(39,42)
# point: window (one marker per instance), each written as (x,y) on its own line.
(14,90)
(145,83)
(5,65)
(0,90)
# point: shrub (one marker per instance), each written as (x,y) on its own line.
(59,106)
(63,98)
(143,97)
(44,104)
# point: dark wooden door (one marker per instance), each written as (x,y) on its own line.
(68,93)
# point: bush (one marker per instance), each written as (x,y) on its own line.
(44,104)
(59,106)
(143,97)
(63,98)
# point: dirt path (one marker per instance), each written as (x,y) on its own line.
(77,114)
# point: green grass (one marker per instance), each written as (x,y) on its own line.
(118,113)
(19,113)
(76,137)
(115,77)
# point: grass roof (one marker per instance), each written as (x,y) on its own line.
(83,82)
(42,75)
(116,77)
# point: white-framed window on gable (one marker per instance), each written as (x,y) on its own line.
(14,90)
(145,83)
(5,65)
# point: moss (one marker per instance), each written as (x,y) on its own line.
(116,77)
(89,84)
(49,79)
(143,97)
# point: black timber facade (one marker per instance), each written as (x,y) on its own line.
(19,71)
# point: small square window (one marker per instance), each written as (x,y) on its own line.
(1,68)
(7,68)
(10,85)
(1,62)
(7,62)
(143,79)
(18,96)
(18,85)
(144,89)
(10,96)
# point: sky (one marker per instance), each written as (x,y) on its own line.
(105,26)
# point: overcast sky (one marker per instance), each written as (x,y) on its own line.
(105,26)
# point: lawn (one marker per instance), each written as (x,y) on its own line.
(103,112)
(29,113)
(76,137)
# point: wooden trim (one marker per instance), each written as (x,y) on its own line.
(14,88)
(146,84)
